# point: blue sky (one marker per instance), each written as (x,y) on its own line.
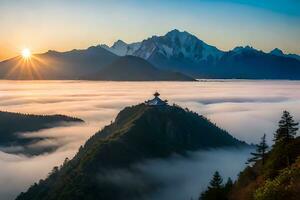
(68,24)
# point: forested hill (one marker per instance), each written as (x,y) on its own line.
(273,172)
(139,132)
(274,175)
(11,124)
(278,178)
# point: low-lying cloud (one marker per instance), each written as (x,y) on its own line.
(247,109)
(178,177)
(19,172)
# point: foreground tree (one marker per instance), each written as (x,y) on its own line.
(287,128)
(285,135)
(261,150)
(216,190)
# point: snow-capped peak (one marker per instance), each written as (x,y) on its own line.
(174,44)
(121,48)
(119,44)
(178,44)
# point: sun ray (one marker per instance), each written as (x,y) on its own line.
(26,53)
(29,68)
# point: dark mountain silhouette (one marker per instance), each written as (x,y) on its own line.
(57,65)
(249,63)
(12,124)
(138,133)
(132,68)
(279,52)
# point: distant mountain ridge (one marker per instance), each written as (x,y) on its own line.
(93,63)
(279,52)
(174,44)
(184,52)
(57,65)
(132,68)
(177,51)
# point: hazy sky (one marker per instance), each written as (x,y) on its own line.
(67,24)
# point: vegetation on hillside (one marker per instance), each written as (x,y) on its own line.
(216,189)
(139,132)
(12,124)
(273,175)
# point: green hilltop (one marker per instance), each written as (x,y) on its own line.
(138,133)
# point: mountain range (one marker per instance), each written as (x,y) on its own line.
(184,52)
(139,133)
(175,51)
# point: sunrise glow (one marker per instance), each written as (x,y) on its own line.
(26,53)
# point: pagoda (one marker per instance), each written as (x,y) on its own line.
(156,101)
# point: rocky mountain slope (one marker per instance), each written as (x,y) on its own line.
(184,52)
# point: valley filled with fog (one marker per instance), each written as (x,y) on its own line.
(246,109)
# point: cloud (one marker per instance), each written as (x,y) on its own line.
(178,177)
(247,109)
(19,172)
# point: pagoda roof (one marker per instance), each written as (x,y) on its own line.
(156,101)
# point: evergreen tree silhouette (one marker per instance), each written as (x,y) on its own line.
(216,190)
(217,181)
(285,134)
(287,128)
(260,153)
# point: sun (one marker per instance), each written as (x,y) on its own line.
(26,53)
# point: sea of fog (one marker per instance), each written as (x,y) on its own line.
(247,109)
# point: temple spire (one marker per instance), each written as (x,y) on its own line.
(156,101)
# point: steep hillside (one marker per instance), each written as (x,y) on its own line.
(273,173)
(139,132)
(274,180)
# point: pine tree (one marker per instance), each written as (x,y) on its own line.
(261,150)
(285,134)
(216,181)
(287,128)
(216,190)
(229,183)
